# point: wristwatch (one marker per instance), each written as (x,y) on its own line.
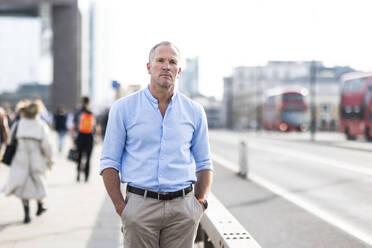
(204,202)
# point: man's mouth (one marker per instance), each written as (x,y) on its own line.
(166,75)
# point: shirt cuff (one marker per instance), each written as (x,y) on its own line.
(108,164)
(205,165)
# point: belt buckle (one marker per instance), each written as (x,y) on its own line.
(161,193)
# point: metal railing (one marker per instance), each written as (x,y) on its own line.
(218,228)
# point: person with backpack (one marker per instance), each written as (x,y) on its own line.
(84,123)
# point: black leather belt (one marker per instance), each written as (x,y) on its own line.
(158,195)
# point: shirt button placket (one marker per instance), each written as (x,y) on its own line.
(162,157)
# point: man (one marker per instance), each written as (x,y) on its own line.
(157,139)
(84,123)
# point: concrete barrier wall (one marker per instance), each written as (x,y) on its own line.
(218,228)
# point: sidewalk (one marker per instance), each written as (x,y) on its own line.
(79,214)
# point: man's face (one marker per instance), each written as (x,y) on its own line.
(164,68)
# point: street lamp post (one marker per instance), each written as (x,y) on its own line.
(312,100)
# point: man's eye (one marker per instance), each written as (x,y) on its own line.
(173,62)
(160,60)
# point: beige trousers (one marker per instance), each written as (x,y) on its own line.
(152,223)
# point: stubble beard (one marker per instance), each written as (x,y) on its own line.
(165,85)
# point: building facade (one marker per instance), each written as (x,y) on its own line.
(213,110)
(189,78)
(60,45)
(243,105)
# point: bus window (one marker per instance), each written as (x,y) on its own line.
(292,97)
(293,108)
(354,85)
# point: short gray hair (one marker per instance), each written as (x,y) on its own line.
(163,43)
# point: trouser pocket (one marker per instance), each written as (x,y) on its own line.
(122,215)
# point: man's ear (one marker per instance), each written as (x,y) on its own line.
(148,65)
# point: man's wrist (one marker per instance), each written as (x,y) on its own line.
(119,207)
(203,202)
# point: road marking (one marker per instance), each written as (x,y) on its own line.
(260,145)
(308,206)
(311,157)
(226,163)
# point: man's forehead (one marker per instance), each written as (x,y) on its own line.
(160,50)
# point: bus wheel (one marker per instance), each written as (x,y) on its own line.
(368,136)
(348,135)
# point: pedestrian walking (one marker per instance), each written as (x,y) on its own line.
(4,128)
(103,119)
(84,124)
(157,139)
(31,160)
(17,111)
(60,125)
(6,107)
(44,113)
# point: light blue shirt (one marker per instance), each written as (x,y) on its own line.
(152,152)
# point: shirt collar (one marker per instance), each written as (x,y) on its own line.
(153,100)
(174,95)
(148,94)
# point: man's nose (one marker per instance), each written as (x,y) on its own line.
(165,65)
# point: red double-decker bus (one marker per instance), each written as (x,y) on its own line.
(285,110)
(356,105)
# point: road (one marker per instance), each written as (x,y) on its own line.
(329,179)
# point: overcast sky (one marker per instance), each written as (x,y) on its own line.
(225,34)
(19,51)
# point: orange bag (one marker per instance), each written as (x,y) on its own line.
(86,123)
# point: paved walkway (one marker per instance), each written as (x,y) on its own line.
(79,214)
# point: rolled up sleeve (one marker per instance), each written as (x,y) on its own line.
(200,144)
(114,142)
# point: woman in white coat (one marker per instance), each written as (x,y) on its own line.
(31,160)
